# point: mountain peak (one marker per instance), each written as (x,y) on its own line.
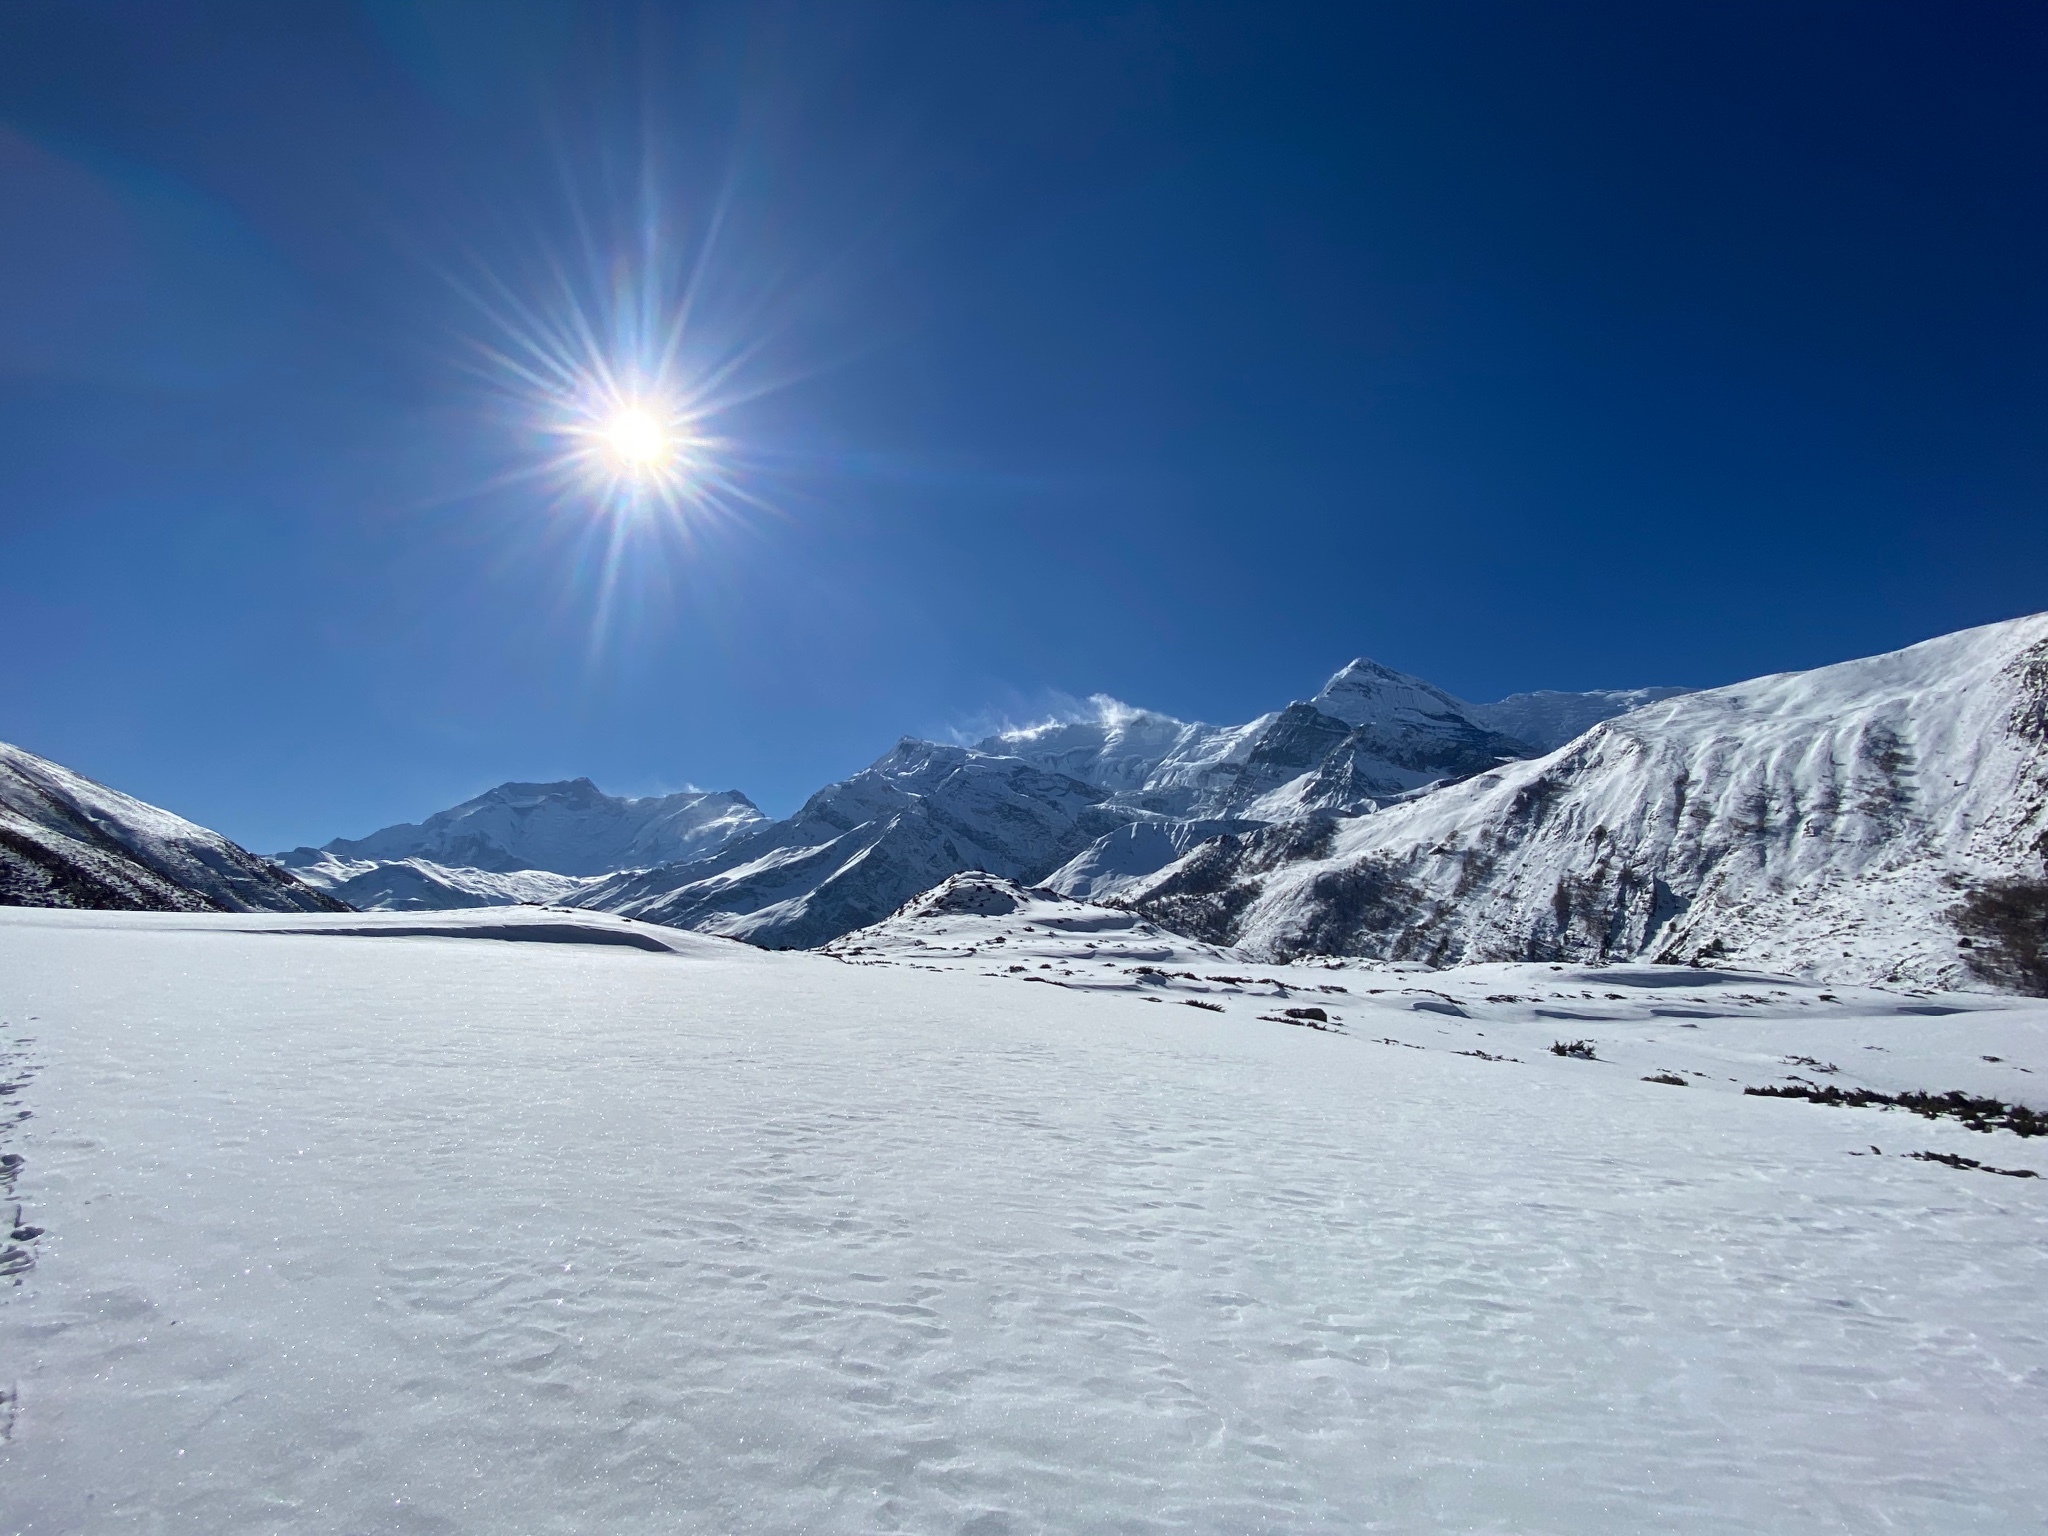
(1365,693)
(567,827)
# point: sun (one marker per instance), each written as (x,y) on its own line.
(635,440)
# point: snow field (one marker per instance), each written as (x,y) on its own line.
(431,1234)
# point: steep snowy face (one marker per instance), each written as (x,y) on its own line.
(1120,860)
(1407,733)
(66,841)
(1381,734)
(1366,693)
(859,849)
(568,828)
(1838,824)
(1370,738)
(1120,750)
(1546,720)
(1406,708)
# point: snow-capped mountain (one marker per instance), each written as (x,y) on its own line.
(1392,734)
(1088,807)
(522,842)
(1371,737)
(1085,807)
(66,841)
(860,848)
(1881,820)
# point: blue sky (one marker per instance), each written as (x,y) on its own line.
(1179,352)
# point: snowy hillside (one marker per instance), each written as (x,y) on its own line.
(572,1225)
(1839,824)
(66,841)
(416,885)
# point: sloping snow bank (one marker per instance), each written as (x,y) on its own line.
(418,1234)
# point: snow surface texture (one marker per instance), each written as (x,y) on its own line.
(66,841)
(418,1234)
(1834,824)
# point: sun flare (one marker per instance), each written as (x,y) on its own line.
(636,439)
(618,380)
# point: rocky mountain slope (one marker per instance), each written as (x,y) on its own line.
(1883,820)
(66,841)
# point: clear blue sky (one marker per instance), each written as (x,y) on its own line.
(1180,352)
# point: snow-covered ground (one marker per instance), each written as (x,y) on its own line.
(387,1224)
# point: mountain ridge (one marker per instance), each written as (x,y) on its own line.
(1838,823)
(70,841)
(566,827)
(1087,806)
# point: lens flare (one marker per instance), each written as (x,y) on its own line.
(618,378)
(637,440)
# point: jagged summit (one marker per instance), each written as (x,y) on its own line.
(1367,693)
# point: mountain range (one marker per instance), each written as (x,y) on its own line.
(521,842)
(1884,820)
(1879,821)
(1088,807)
